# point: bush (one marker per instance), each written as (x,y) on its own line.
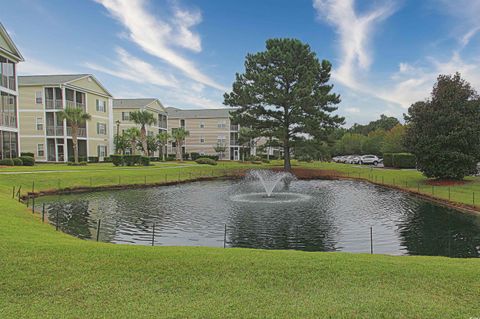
(27,160)
(254,158)
(17,162)
(170,157)
(145,160)
(6,162)
(155,159)
(132,160)
(388,159)
(80,159)
(27,154)
(205,160)
(399,160)
(266,161)
(107,160)
(79,164)
(194,156)
(305,158)
(404,160)
(93,159)
(117,160)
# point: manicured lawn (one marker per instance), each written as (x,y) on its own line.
(44,273)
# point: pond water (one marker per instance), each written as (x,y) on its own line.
(317,215)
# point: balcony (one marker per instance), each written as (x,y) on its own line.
(81,132)
(8,120)
(234,142)
(51,104)
(75,104)
(234,127)
(8,82)
(53,130)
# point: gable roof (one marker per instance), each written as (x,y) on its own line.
(132,103)
(56,79)
(199,113)
(12,50)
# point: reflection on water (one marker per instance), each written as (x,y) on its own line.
(336,216)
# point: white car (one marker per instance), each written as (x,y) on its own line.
(370,159)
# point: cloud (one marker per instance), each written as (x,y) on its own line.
(134,69)
(159,37)
(352,110)
(34,66)
(354,31)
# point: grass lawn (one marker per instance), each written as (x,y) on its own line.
(44,273)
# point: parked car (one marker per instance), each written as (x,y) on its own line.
(356,160)
(370,159)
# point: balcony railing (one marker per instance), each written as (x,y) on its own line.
(51,104)
(233,127)
(75,104)
(54,130)
(81,132)
(8,120)
(8,82)
(233,142)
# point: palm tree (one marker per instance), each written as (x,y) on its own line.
(143,118)
(132,134)
(163,139)
(75,116)
(179,135)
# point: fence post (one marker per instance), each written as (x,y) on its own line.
(371,240)
(28,200)
(43,213)
(153,234)
(19,189)
(33,186)
(33,204)
(98,229)
(13,192)
(225,237)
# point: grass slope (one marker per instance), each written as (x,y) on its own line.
(44,273)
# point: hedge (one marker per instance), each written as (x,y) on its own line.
(6,162)
(17,162)
(145,160)
(117,160)
(132,160)
(27,160)
(194,156)
(27,154)
(399,160)
(205,160)
(93,159)
(170,157)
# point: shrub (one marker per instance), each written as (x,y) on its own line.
(266,161)
(194,156)
(205,160)
(107,160)
(117,160)
(254,158)
(27,160)
(80,159)
(17,162)
(79,164)
(145,160)
(170,157)
(388,159)
(6,162)
(305,158)
(404,160)
(132,160)
(155,159)
(27,154)
(93,159)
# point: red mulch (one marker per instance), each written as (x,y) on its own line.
(445,182)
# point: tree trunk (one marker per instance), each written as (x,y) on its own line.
(75,143)
(163,152)
(286,156)
(143,135)
(179,151)
(133,145)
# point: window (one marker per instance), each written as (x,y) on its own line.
(221,139)
(125,116)
(202,139)
(39,123)
(39,97)
(222,124)
(101,106)
(202,125)
(40,150)
(182,123)
(102,150)
(101,129)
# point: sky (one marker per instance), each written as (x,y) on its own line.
(386,54)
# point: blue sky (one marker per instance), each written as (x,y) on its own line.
(386,54)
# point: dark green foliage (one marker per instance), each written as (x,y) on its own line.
(155,159)
(77,164)
(204,160)
(145,161)
(194,156)
(80,158)
(6,162)
(385,123)
(27,154)
(305,158)
(170,157)
(17,162)
(444,132)
(284,92)
(27,160)
(404,160)
(93,159)
(117,160)
(388,159)
(132,160)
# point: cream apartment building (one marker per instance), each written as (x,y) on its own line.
(123,107)
(208,128)
(9,57)
(42,132)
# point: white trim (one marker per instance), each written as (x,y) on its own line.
(9,91)
(31,110)
(101,117)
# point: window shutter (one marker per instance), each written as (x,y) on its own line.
(98,150)
(97,104)
(98,128)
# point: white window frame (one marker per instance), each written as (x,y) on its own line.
(202,124)
(125,116)
(102,148)
(101,125)
(221,139)
(101,106)
(222,124)
(40,150)
(39,123)
(202,139)
(38,97)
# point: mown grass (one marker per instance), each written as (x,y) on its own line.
(47,274)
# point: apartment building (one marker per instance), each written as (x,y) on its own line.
(9,57)
(208,128)
(43,133)
(123,107)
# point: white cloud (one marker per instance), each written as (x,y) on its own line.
(352,110)
(157,36)
(134,69)
(34,66)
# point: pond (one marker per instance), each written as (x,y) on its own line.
(316,215)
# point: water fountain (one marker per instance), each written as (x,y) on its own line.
(269,180)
